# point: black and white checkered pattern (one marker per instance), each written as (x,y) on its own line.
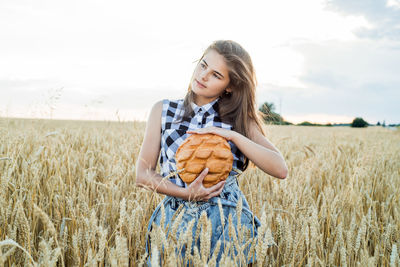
(173,133)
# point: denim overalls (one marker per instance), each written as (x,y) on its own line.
(173,133)
(192,210)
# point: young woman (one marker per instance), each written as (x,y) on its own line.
(220,100)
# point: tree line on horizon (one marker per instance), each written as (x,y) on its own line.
(267,110)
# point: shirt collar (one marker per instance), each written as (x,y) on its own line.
(210,108)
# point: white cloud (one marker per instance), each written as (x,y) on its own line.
(147,48)
(393,3)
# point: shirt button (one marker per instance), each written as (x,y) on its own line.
(200,110)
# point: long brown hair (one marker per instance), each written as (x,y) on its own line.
(238,107)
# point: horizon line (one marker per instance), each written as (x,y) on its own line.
(140,120)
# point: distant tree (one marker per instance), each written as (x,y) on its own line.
(384,124)
(306,123)
(378,124)
(359,122)
(269,115)
(267,107)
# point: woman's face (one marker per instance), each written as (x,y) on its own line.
(210,78)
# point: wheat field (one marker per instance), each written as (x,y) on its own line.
(68,198)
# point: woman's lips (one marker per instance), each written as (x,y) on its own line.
(200,84)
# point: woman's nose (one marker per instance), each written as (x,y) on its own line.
(203,75)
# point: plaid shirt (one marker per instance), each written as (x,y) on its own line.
(173,133)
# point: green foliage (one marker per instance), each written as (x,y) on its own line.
(359,122)
(270,116)
(307,123)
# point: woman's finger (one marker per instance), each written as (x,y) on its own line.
(222,184)
(216,187)
(214,194)
(201,176)
(197,132)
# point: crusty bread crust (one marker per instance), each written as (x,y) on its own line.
(201,151)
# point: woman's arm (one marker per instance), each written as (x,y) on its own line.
(258,149)
(261,152)
(146,164)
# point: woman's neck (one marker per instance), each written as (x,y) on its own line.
(201,101)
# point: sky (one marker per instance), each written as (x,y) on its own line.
(316,60)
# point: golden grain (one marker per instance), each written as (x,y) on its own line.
(339,205)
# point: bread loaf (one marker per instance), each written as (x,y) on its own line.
(200,151)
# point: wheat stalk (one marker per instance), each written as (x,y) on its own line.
(85,175)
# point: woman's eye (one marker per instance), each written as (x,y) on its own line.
(216,75)
(202,65)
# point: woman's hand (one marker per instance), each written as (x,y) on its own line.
(228,134)
(197,192)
